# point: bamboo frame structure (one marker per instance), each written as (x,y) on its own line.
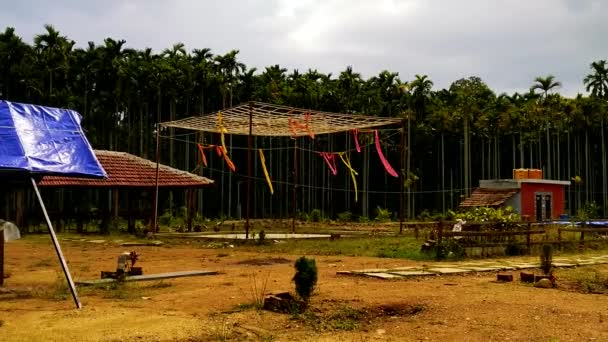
(270,120)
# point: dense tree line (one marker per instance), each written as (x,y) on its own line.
(455,136)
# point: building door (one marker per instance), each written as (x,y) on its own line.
(548,206)
(539,207)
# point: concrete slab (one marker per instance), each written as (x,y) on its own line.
(413,273)
(563,264)
(371,270)
(382,275)
(482,269)
(404,268)
(585,262)
(155,276)
(448,270)
(237,236)
(524,266)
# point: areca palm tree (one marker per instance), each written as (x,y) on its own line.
(53,49)
(597,84)
(546,85)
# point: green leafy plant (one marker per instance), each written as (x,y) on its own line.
(345,216)
(305,277)
(449,249)
(589,210)
(315,216)
(486,214)
(382,215)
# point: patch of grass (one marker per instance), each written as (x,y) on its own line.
(585,279)
(117,290)
(257,291)
(403,247)
(347,318)
(42,263)
(159,285)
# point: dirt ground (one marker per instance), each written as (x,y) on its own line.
(34,305)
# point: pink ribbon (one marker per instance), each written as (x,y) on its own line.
(330,160)
(387,166)
(355,132)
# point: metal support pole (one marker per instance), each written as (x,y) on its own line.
(154,223)
(248,204)
(1,258)
(401,177)
(295,184)
(64,265)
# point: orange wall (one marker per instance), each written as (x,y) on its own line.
(527,198)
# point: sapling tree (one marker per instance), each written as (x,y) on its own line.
(305,277)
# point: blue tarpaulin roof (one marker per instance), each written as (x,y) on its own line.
(44,140)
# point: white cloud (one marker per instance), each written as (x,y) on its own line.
(507,43)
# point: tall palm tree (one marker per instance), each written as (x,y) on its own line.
(597,84)
(546,85)
(53,49)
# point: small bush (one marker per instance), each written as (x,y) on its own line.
(514,250)
(305,277)
(261,237)
(345,216)
(363,219)
(449,249)
(315,215)
(382,215)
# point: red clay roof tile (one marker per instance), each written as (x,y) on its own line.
(127,170)
(483,197)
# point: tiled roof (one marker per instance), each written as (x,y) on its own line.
(482,197)
(127,170)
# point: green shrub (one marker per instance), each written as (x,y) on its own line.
(363,219)
(261,237)
(305,277)
(486,214)
(345,216)
(449,249)
(382,215)
(315,216)
(514,250)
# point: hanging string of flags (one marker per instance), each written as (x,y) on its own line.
(299,126)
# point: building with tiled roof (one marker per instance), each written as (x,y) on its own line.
(128,171)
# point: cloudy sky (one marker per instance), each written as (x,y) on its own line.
(506,43)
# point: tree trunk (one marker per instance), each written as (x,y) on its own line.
(604,184)
(466,156)
(442,174)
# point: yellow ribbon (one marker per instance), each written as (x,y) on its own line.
(263,160)
(220,124)
(353,173)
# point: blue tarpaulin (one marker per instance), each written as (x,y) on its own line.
(44,140)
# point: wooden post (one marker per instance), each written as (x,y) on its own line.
(130,219)
(295,184)
(416,231)
(248,199)
(528,236)
(402,180)
(153,222)
(115,204)
(1,258)
(440,232)
(582,242)
(64,265)
(559,237)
